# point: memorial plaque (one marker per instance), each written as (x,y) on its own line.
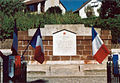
(64,43)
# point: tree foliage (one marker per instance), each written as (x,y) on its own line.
(10,7)
(110,8)
(54,10)
(89,11)
(26,21)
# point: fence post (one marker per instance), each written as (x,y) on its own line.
(119,70)
(24,71)
(109,69)
(0,72)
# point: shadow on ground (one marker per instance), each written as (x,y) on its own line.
(39,81)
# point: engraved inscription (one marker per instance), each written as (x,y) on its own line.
(64,43)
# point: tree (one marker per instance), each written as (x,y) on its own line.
(54,10)
(10,7)
(110,8)
(89,11)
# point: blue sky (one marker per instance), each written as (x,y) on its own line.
(72,4)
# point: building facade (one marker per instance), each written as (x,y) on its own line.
(76,6)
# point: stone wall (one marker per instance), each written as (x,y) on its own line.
(83,43)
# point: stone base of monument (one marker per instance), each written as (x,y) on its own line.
(67,69)
(77,73)
(68,62)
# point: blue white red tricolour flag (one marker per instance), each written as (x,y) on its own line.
(36,43)
(11,67)
(14,47)
(99,50)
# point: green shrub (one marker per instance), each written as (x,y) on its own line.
(89,11)
(54,10)
(10,7)
(6,27)
(26,21)
(70,18)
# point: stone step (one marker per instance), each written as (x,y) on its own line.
(95,72)
(66,70)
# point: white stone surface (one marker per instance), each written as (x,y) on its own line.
(64,43)
(115,51)
(65,62)
(6,51)
(79,29)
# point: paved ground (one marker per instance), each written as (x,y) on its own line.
(67,79)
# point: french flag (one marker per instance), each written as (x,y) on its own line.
(99,50)
(36,43)
(14,47)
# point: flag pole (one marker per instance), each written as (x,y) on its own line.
(25,50)
(28,45)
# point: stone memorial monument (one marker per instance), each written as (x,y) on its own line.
(63,43)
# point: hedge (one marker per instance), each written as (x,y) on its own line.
(26,21)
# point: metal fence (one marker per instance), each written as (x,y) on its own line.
(113,70)
(1,72)
(19,79)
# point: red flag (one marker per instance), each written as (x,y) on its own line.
(17,65)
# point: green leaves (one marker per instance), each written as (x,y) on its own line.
(89,11)
(110,8)
(10,7)
(6,27)
(54,10)
(26,21)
